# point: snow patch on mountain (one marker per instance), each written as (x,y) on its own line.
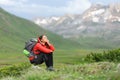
(97,12)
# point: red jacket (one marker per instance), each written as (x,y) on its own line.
(43,48)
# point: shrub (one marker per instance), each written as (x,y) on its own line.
(13,70)
(111,56)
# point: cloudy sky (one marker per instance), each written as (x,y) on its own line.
(43,8)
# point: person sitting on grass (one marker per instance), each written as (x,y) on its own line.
(44,52)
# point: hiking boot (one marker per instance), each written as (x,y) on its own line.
(50,68)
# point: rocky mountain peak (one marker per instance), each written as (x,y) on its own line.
(97,21)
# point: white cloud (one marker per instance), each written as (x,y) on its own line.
(77,6)
(7,2)
(23,7)
(12,2)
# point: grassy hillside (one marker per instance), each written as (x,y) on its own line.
(97,43)
(14,31)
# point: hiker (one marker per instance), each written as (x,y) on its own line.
(44,53)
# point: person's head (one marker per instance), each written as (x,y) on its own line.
(43,38)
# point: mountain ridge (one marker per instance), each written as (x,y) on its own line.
(99,21)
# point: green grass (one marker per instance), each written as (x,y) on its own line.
(97,43)
(68,66)
(93,71)
(72,56)
(60,56)
(62,59)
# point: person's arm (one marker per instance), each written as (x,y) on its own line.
(50,46)
(43,49)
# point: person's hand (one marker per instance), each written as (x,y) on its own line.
(48,42)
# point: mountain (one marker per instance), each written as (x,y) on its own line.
(98,26)
(14,31)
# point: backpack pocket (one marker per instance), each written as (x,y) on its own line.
(26,53)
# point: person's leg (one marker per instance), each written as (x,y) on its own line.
(38,59)
(49,61)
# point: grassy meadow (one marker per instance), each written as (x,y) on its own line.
(68,66)
(94,71)
(60,56)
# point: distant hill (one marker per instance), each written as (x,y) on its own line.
(97,27)
(14,31)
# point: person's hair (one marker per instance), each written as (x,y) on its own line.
(40,37)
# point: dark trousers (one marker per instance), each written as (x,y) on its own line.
(42,57)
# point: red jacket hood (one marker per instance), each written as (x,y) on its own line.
(38,40)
